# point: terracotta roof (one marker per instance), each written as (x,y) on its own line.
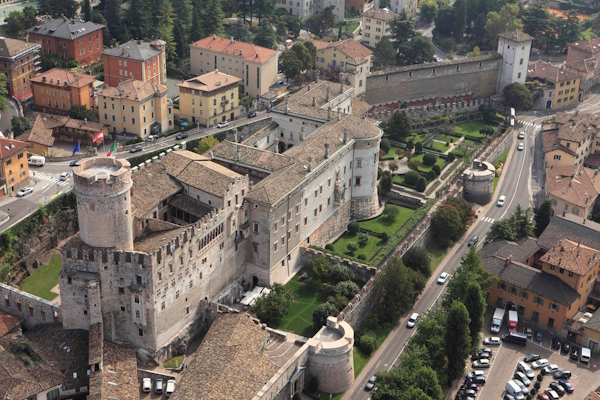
(8,322)
(10,48)
(247,51)
(592,46)
(134,50)
(70,29)
(53,121)
(208,176)
(577,229)
(134,90)
(550,142)
(59,77)
(549,72)
(229,364)
(92,127)
(572,184)
(349,47)
(587,65)
(190,205)
(38,133)
(383,14)
(516,36)
(8,147)
(120,374)
(577,128)
(151,185)
(573,257)
(176,161)
(209,81)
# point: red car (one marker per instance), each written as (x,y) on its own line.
(543,396)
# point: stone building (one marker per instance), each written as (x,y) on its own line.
(478,182)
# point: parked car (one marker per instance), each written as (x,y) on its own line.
(442,279)
(521,135)
(539,364)
(556,343)
(529,333)
(74,163)
(412,321)
(551,369)
(501,201)
(565,348)
(252,114)
(566,385)
(520,147)
(564,374)
(370,383)
(557,388)
(152,138)
(508,396)
(24,192)
(492,341)
(485,350)
(539,336)
(543,396)
(466,393)
(551,394)
(531,357)
(64,176)
(471,386)
(481,356)
(482,363)
(181,136)
(158,386)
(473,240)
(520,384)
(524,368)
(519,376)
(170,387)
(474,374)
(135,149)
(575,353)
(222,124)
(146,385)
(479,379)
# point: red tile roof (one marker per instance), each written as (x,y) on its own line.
(9,147)
(59,77)
(248,51)
(549,72)
(8,322)
(349,47)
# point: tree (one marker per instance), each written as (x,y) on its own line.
(391,213)
(328,18)
(429,9)
(444,22)
(264,8)
(475,303)
(212,19)
(271,307)
(431,336)
(429,159)
(464,209)
(182,10)
(460,19)
(87,10)
(20,124)
(15,25)
(265,36)
(83,113)
(315,23)
(475,53)
(165,29)
(489,116)
(280,29)
(290,64)
(323,311)
(230,7)
(499,22)
(320,267)
(346,288)
(56,8)
(421,185)
(536,22)
(436,168)
(417,259)
(543,214)
(384,54)
(395,289)
(205,144)
(353,227)
(240,32)
(113,13)
(304,56)
(385,145)
(352,247)
(470,270)
(458,339)
(340,272)
(138,20)
(569,29)
(386,181)
(447,224)
(403,28)
(518,97)
(98,18)
(416,51)
(196,32)
(294,26)
(399,126)
(418,148)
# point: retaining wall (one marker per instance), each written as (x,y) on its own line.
(499,146)
(34,310)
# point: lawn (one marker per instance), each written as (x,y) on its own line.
(446,138)
(360,357)
(415,138)
(495,183)
(393,153)
(43,279)
(438,146)
(470,129)
(503,156)
(438,255)
(381,223)
(307,297)
(174,362)
(349,27)
(426,168)
(368,249)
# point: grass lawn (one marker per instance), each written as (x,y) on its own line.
(446,138)
(307,297)
(361,358)
(438,146)
(415,138)
(43,279)
(438,255)
(398,179)
(470,129)
(325,396)
(495,183)
(381,223)
(393,153)
(349,27)
(426,168)
(368,249)
(3,29)
(174,362)
(503,156)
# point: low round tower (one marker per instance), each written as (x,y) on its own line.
(102,186)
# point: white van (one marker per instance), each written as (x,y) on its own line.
(514,390)
(37,161)
(170,387)
(586,354)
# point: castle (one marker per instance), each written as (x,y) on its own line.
(157,239)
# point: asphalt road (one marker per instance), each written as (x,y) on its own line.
(6,116)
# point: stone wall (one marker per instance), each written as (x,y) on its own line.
(364,207)
(383,112)
(34,310)
(499,146)
(362,272)
(242,132)
(335,225)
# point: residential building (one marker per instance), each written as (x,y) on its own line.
(377,23)
(300,9)
(136,107)
(138,60)
(562,82)
(57,90)
(591,332)
(69,39)
(397,6)
(19,61)
(339,8)
(573,189)
(348,56)
(586,69)
(357,5)
(209,98)
(254,65)
(14,172)
(583,50)
(39,138)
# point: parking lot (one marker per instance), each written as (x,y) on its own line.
(504,361)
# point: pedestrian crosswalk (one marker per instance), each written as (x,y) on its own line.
(526,123)
(488,219)
(47,177)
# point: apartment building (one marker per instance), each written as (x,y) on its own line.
(397,6)
(348,56)
(563,83)
(339,8)
(209,98)
(137,107)
(254,65)
(69,39)
(138,60)
(14,170)
(573,189)
(584,50)
(19,61)
(377,23)
(57,90)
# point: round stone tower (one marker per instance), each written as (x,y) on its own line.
(102,186)
(478,182)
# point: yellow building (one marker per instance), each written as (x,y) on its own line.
(376,24)
(209,98)
(572,189)
(14,169)
(137,107)
(566,83)
(591,332)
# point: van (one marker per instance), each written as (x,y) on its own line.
(514,390)
(170,387)
(515,337)
(158,386)
(586,354)
(38,161)
(524,368)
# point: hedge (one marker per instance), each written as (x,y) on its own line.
(137,160)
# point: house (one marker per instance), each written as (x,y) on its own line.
(136,59)
(136,107)
(377,23)
(57,90)
(397,6)
(254,65)
(19,61)
(209,98)
(39,137)
(591,332)
(14,172)
(347,56)
(338,8)
(586,68)
(69,39)
(572,189)
(561,84)
(357,5)
(584,50)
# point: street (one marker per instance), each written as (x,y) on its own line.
(6,116)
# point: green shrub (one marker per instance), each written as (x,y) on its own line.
(353,227)
(540,377)
(418,148)
(436,168)
(379,172)
(410,145)
(421,185)
(429,159)
(368,342)
(450,157)
(340,272)
(391,213)
(329,247)
(385,237)
(297,396)
(338,301)
(533,391)
(385,145)
(411,177)
(346,288)
(4,270)
(431,175)
(363,238)
(362,257)
(537,385)
(528,397)
(323,311)
(543,372)
(352,247)
(319,267)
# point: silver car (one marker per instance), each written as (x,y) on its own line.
(519,376)
(24,192)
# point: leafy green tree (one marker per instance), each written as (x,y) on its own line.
(304,56)
(503,21)
(429,159)
(265,35)
(386,181)
(294,25)
(113,13)
(391,212)
(431,336)
(384,54)
(240,32)
(425,379)
(471,269)
(270,308)
(230,7)
(487,130)
(20,124)
(56,8)
(290,64)
(543,214)
(569,29)
(536,22)
(444,22)
(464,209)
(340,272)
(205,144)
(315,23)
(263,8)
(475,53)
(458,339)
(182,10)
(165,29)
(138,20)
(475,304)
(395,289)
(346,288)
(98,18)
(212,19)
(281,29)
(421,185)
(15,25)
(403,28)
(385,145)
(196,33)
(328,18)
(352,247)
(417,259)
(460,19)
(82,113)
(429,9)
(399,126)
(489,116)
(447,224)
(323,311)
(517,95)
(181,43)
(87,10)
(411,177)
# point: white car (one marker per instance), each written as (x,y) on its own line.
(222,124)
(152,138)
(24,192)
(147,385)
(520,147)
(522,386)
(521,135)
(412,321)
(483,363)
(64,176)
(552,394)
(501,201)
(539,364)
(519,376)
(551,369)
(443,277)
(170,387)
(492,341)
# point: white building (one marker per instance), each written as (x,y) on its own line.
(514,47)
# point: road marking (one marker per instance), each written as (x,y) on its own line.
(46,177)
(516,186)
(488,219)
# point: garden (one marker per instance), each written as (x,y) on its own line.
(43,279)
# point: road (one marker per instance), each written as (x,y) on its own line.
(6,116)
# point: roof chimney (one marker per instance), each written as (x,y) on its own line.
(302,133)
(327,98)
(309,163)
(214,36)
(287,107)
(308,89)
(123,52)
(345,135)
(328,112)
(326,150)
(239,152)
(314,101)
(139,42)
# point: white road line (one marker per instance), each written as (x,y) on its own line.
(516,187)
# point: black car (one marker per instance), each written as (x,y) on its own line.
(575,353)
(557,388)
(566,385)
(481,356)
(74,163)
(468,392)
(531,358)
(252,114)
(485,350)
(470,386)
(565,348)
(556,343)
(181,136)
(135,149)
(473,240)
(562,375)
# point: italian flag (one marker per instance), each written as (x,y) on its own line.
(112,148)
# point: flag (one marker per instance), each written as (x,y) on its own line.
(112,148)
(75,150)
(98,136)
